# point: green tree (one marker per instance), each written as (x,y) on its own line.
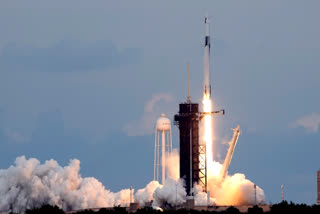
(45,209)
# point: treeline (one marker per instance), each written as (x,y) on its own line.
(281,208)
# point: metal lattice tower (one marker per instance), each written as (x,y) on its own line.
(193,157)
(203,167)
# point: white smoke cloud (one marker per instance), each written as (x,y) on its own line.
(145,195)
(237,190)
(29,184)
(201,198)
(145,125)
(233,190)
(149,106)
(172,164)
(309,122)
(172,192)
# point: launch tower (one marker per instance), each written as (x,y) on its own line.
(193,159)
(188,122)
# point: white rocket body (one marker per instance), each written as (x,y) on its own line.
(206,60)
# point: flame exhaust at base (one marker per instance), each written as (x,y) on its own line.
(208,126)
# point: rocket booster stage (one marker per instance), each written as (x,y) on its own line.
(206,59)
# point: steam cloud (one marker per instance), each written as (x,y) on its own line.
(173,193)
(233,190)
(145,125)
(145,195)
(172,164)
(28,184)
(309,122)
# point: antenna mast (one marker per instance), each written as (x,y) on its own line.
(188,97)
(282,187)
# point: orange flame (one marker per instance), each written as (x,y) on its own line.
(208,127)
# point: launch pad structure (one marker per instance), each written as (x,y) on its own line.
(193,157)
(188,122)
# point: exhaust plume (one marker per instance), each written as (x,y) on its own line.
(173,193)
(29,184)
(172,164)
(233,190)
(145,195)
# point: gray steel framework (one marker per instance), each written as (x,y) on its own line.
(193,158)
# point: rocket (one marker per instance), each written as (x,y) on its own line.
(206,60)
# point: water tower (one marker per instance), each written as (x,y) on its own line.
(163,135)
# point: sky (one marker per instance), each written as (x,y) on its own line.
(87,80)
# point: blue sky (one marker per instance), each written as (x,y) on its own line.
(86,80)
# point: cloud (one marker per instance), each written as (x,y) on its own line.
(14,136)
(309,122)
(66,55)
(29,183)
(149,106)
(152,110)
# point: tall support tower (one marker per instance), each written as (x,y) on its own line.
(162,146)
(193,159)
(318,187)
(187,121)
